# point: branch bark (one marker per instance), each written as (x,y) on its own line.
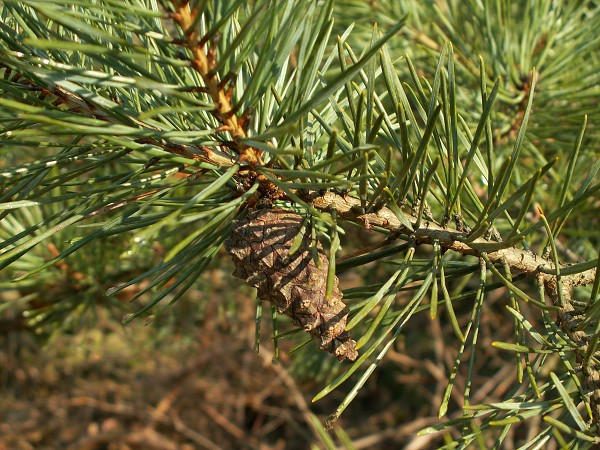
(348,208)
(204,62)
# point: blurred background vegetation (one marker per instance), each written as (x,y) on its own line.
(188,376)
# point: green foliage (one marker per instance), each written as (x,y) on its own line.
(133,134)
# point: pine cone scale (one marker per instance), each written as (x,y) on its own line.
(259,245)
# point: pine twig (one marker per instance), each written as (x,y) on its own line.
(204,62)
(348,208)
(81,106)
(569,321)
(531,265)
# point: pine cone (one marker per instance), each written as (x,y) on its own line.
(259,245)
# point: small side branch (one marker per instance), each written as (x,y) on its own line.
(349,208)
(570,321)
(85,108)
(204,62)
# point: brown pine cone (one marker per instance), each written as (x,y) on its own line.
(259,244)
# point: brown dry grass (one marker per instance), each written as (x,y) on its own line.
(191,380)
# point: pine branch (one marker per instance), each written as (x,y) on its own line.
(205,62)
(349,208)
(86,108)
(315,127)
(560,291)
